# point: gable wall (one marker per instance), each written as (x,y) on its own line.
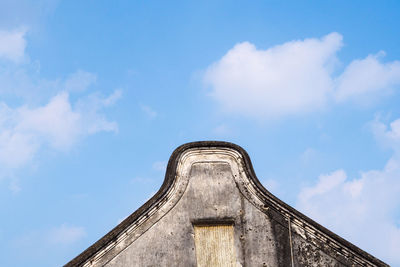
(216,186)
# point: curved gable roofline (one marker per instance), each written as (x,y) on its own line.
(294,217)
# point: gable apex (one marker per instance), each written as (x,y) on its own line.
(213,182)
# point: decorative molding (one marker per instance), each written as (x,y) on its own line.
(175,184)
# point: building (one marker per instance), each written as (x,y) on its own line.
(212,211)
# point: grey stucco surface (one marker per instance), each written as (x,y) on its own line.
(213,185)
(213,195)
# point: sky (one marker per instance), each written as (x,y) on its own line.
(96,95)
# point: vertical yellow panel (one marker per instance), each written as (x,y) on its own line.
(214,245)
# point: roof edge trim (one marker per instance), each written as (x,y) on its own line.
(170,174)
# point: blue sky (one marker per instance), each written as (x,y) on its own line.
(95,96)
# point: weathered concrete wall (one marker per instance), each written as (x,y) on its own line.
(214,186)
(211,194)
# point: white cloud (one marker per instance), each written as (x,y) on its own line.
(12,45)
(58,124)
(47,117)
(295,77)
(362,210)
(91,106)
(389,137)
(24,81)
(15,148)
(366,77)
(325,184)
(283,79)
(65,234)
(79,81)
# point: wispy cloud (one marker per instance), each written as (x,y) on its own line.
(79,81)
(65,234)
(367,77)
(363,209)
(37,244)
(295,77)
(58,125)
(54,121)
(12,45)
(160,165)
(222,129)
(308,155)
(149,111)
